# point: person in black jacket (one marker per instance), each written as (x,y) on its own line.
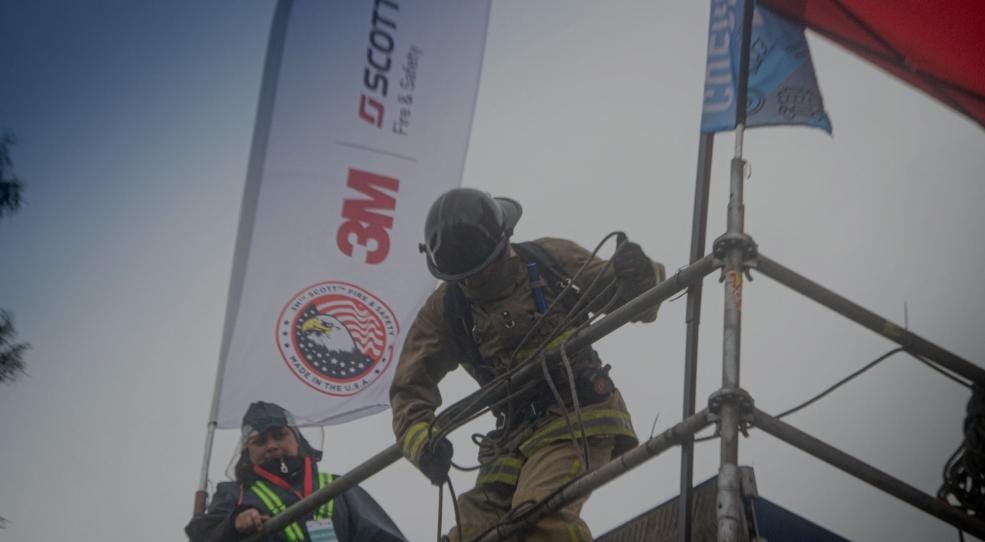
(276,468)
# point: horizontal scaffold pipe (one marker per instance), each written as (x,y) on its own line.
(911,341)
(475,402)
(869,474)
(587,483)
(493,392)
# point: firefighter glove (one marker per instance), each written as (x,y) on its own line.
(435,461)
(630,263)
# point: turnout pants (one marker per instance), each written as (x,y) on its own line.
(544,472)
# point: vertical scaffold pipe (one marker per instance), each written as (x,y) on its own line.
(731,524)
(731,518)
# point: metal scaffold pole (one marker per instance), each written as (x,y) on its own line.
(734,248)
(866,318)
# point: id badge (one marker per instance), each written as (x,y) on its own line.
(321,530)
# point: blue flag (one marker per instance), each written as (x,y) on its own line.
(782,85)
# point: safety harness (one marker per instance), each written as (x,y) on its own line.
(459,311)
(505,468)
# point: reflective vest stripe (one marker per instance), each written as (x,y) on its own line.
(326,510)
(275,506)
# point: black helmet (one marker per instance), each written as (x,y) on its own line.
(466,230)
(262,416)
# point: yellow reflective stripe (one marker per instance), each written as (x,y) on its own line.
(325,511)
(504,470)
(574,471)
(560,427)
(573,534)
(555,342)
(414,440)
(596,424)
(509,461)
(275,505)
(502,478)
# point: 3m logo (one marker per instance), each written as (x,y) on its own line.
(367,222)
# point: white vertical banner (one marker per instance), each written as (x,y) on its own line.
(364,120)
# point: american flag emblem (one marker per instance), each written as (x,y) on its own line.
(337,337)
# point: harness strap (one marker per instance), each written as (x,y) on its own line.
(459,311)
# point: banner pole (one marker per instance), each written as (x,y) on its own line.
(699,229)
(251,193)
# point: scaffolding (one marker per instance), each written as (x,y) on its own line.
(730,408)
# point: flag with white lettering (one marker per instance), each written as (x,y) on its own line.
(364,119)
(782,85)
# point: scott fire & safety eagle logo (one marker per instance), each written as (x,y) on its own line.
(336,337)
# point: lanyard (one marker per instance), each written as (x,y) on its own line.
(281,483)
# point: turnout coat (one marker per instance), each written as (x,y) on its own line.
(501,317)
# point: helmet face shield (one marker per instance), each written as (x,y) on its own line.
(464,253)
(466,230)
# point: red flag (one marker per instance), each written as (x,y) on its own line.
(938,47)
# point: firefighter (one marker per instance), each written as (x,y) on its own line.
(276,468)
(488,316)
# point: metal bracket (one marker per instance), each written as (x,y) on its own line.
(728,241)
(738,396)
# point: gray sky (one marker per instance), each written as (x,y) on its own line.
(134,121)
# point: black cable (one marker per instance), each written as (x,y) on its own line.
(939,369)
(465,469)
(840,383)
(964,472)
(705,439)
(845,380)
(441,507)
(454,503)
(561,295)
